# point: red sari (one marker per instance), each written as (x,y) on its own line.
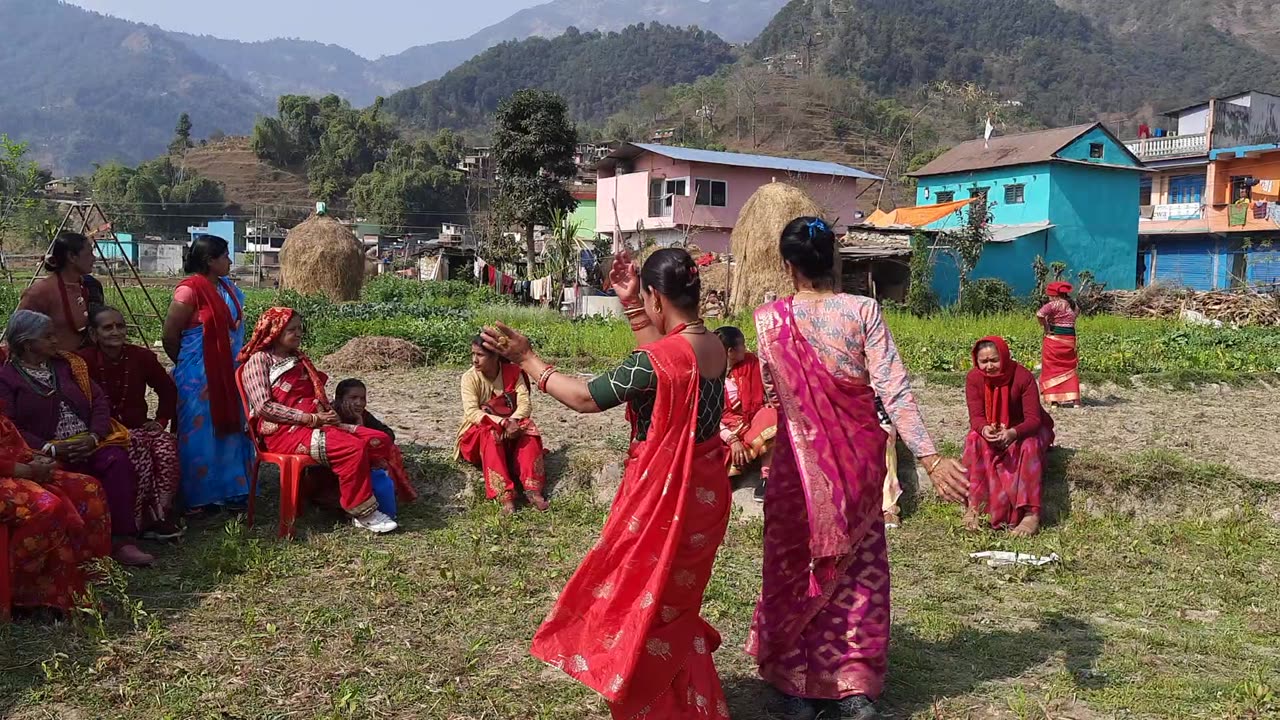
(55,527)
(1004,483)
(350,451)
(484,446)
(746,415)
(627,625)
(1059,359)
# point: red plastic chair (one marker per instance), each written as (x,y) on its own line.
(6,576)
(291,469)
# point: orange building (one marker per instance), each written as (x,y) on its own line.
(1210,207)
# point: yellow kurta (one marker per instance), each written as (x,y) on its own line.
(476,391)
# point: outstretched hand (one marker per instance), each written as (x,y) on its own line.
(625,278)
(950,481)
(509,344)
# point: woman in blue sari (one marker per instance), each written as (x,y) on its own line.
(202,335)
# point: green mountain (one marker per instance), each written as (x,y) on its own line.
(597,74)
(84,88)
(1062,65)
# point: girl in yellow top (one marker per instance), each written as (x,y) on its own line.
(497,434)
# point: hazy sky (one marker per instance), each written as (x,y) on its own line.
(369,27)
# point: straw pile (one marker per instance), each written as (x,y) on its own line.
(368,354)
(322,256)
(1232,308)
(758,266)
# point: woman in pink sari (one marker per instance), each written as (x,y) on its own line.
(821,628)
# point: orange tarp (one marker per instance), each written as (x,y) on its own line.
(914,216)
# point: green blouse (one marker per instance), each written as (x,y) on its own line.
(635,382)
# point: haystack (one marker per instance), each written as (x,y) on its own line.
(322,256)
(758,265)
(368,354)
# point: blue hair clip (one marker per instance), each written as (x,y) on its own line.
(817,225)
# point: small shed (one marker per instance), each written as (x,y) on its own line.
(875,262)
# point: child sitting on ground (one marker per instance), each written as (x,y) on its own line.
(350,401)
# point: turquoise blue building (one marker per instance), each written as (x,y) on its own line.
(1067,195)
(110,251)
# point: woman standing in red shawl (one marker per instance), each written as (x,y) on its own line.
(57,521)
(288,406)
(1009,436)
(202,334)
(1059,363)
(627,625)
(497,433)
(821,629)
(124,372)
(749,424)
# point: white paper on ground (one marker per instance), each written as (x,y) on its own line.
(1003,558)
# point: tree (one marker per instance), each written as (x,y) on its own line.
(412,187)
(533,147)
(181,136)
(563,250)
(921,300)
(968,242)
(20,180)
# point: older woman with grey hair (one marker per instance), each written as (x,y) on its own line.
(61,412)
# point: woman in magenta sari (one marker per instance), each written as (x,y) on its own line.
(821,628)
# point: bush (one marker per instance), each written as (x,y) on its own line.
(921,300)
(986,296)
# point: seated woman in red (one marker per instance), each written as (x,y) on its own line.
(748,425)
(1009,436)
(124,372)
(497,433)
(289,410)
(57,521)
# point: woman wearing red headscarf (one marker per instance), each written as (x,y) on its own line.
(1059,363)
(289,410)
(1009,435)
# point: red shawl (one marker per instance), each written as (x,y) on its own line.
(504,403)
(212,312)
(749,380)
(995,389)
(270,325)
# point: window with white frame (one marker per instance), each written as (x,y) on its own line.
(711,193)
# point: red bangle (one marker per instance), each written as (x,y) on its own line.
(545,376)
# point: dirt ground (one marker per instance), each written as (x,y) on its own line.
(1219,424)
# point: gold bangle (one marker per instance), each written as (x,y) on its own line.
(935,465)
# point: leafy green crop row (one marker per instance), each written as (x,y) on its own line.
(443,317)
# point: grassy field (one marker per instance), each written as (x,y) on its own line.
(442,317)
(1163,606)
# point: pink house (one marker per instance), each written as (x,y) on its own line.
(682,196)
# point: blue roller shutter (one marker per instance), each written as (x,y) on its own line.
(1264,267)
(1186,263)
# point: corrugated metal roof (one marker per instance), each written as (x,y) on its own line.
(1003,151)
(767,162)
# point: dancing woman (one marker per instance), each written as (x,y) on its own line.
(627,625)
(1059,361)
(821,629)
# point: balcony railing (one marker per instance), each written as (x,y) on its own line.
(1158,148)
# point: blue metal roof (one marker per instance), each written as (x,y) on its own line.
(808,167)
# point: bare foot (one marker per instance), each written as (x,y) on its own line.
(537,500)
(972,520)
(508,506)
(1029,526)
(891,520)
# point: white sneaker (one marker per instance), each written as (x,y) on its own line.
(376,522)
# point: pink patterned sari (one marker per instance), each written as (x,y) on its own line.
(821,627)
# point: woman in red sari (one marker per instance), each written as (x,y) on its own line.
(749,424)
(124,372)
(1059,362)
(497,433)
(57,521)
(291,413)
(628,625)
(1009,436)
(821,629)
